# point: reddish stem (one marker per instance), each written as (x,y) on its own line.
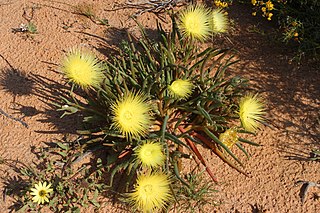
(196,151)
(213,147)
(124,153)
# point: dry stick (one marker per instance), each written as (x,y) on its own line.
(305,187)
(196,151)
(152,6)
(13,118)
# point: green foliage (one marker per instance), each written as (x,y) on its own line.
(150,66)
(146,69)
(31,28)
(315,155)
(74,186)
(298,20)
(303,17)
(197,195)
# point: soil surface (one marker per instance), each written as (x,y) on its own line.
(29,75)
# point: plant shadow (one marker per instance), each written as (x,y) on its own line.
(50,93)
(14,184)
(16,83)
(291,89)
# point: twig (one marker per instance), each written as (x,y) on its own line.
(13,118)
(305,187)
(154,6)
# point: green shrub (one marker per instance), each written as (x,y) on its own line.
(298,20)
(148,108)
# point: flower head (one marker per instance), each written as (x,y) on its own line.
(150,154)
(251,112)
(151,192)
(229,137)
(269,5)
(194,22)
(180,89)
(269,15)
(41,192)
(131,115)
(220,4)
(82,68)
(219,21)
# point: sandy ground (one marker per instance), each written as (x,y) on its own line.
(28,75)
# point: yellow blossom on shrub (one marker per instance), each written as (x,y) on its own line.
(251,112)
(253,2)
(220,4)
(229,137)
(269,16)
(41,192)
(131,115)
(180,89)
(269,5)
(82,68)
(219,21)
(194,22)
(150,154)
(151,192)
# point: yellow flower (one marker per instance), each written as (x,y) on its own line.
(82,68)
(251,112)
(41,192)
(150,154)
(224,4)
(220,4)
(269,5)
(253,2)
(269,16)
(229,137)
(254,13)
(180,89)
(131,115)
(219,21)
(264,9)
(151,192)
(194,22)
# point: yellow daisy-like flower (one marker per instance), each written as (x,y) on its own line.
(219,21)
(82,68)
(251,112)
(150,154)
(229,137)
(194,22)
(151,192)
(41,192)
(180,89)
(131,115)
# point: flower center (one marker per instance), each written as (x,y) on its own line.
(42,193)
(148,189)
(128,115)
(147,153)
